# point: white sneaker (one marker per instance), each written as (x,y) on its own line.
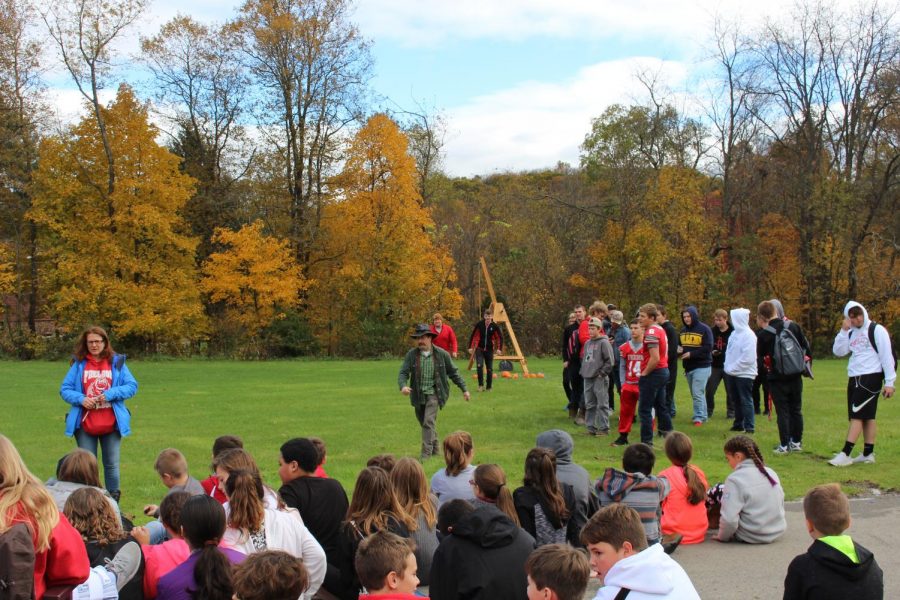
(795,447)
(841,460)
(781,450)
(862,458)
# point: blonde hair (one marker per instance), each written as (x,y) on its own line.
(408,479)
(374,503)
(24,497)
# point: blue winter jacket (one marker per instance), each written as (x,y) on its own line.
(123,386)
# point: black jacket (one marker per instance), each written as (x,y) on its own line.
(526,498)
(323,505)
(673,340)
(483,559)
(765,348)
(824,573)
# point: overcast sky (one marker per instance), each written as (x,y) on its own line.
(518,80)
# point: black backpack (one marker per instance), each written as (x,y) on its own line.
(16,563)
(789,357)
(871,332)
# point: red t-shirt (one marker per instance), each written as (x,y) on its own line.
(633,361)
(97,377)
(655,337)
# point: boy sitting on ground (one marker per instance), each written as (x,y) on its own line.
(172,468)
(834,566)
(636,487)
(625,563)
(386,566)
(557,572)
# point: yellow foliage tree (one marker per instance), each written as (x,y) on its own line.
(255,276)
(121,259)
(780,242)
(379,268)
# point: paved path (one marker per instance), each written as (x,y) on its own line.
(744,571)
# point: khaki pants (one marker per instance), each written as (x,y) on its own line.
(427,415)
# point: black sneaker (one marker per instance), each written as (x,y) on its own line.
(736,428)
(672,543)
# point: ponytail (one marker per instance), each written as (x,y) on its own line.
(245,494)
(491,480)
(540,475)
(457,447)
(213,575)
(679,449)
(746,446)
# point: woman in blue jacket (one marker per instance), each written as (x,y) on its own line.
(97,385)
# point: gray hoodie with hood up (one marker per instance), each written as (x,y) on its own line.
(568,472)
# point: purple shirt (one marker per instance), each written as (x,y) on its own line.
(178,583)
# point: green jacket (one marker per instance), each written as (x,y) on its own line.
(443,368)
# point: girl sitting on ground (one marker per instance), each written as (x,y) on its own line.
(161,558)
(100,527)
(542,504)
(408,479)
(683,509)
(207,572)
(238,459)
(373,507)
(253,527)
(76,470)
(453,481)
(490,487)
(753,500)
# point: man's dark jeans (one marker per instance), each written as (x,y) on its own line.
(653,396)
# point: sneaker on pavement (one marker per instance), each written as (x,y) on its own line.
(125,564)
(781,450)
(795,447)
(862,458)
(841,460)
(669,543)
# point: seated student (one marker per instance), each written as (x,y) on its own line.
(624,562)
(172,468)
(207,573)
(383,461)
(834,567)
(491,488)
(557,572)
(411,487)
(481,556)
(752,499)
(211,483)
(322,451)
(683,509)
(636,487)
(162,558)
(238,459)
(76,470)
(453,480)
(270,575)
(570,473)
(101,530)
(543,505)
(321,502)
(386,567)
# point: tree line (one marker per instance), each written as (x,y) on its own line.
(256,199)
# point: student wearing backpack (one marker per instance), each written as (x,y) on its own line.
(871,364)
(782,349)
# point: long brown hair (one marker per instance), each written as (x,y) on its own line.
(80,466)
(374,503)
(457,448)
(746,446)
(93,516)
(81,347)
(540,475)
(245,501)
(23,495)
(491,481)
(679,449)
(408,479)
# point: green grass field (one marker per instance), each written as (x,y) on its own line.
(356,408)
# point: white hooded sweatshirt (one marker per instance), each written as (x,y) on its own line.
(863,358)
(651,574)
(740,354)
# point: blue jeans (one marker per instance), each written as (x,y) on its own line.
(697,379)
(741,389)
(109,444)
(653,396)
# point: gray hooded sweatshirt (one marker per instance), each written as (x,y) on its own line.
(568,472)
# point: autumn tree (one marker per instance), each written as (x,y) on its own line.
(312,66)
(379,269)
(133,266)
(20,107)
(201,88)
(255,277)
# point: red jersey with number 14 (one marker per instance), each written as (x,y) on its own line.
(655,337)
(634,358)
